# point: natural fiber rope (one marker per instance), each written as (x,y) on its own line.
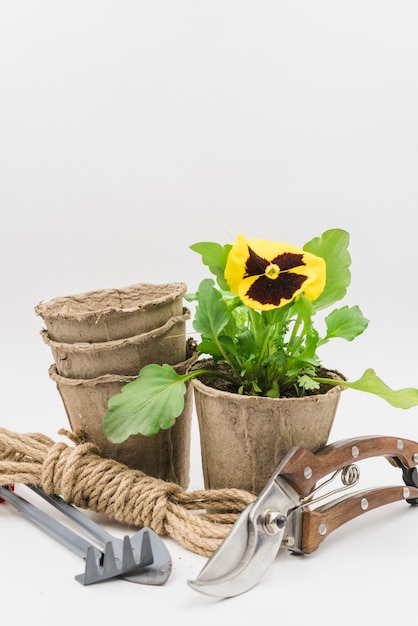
(198,520)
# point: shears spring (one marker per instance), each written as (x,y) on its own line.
(349,475)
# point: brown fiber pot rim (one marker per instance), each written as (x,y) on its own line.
(85,346)
(105,379)
(226,395)
(137,297)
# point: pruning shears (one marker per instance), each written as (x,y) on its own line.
(282,515)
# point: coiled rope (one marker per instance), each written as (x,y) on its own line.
(197,520)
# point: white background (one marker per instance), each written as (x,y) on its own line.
(130,130)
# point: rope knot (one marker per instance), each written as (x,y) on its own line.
(145,500)
(198,520)
(65,470)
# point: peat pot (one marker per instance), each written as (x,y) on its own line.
(165,455)
(110,314)
(243,438)
(165,344)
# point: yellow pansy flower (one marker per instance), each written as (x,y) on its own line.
(267,274)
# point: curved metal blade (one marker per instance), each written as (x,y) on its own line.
(252,545)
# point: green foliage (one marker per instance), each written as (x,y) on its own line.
(270,353)
(346,323)
(369,382)
(332,246)
(214,256)
(211,313)
(152,401)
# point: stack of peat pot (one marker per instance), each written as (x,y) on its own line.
(100,340)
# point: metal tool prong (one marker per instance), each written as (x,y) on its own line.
(100,565)
(156,572)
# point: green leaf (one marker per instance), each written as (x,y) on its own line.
(307,383)
(304,308)
(346,322)
(247,344)
(311,344)
(211,316)
(401,399)
(214,256)
(274,391)
(278,316)
(149,403)
(332,246)
(209,347)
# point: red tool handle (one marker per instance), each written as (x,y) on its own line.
(12,488)
(304,468)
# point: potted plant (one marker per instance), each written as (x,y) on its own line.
(258,353)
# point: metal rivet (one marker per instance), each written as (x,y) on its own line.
(355,452)
(406,492)
(289,541)
(415,457)
(364,504)
(307,472)
(399,444)
(322,529)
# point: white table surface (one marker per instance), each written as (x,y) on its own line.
(131,130)
(365,568)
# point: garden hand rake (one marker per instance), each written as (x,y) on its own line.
(143,558)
